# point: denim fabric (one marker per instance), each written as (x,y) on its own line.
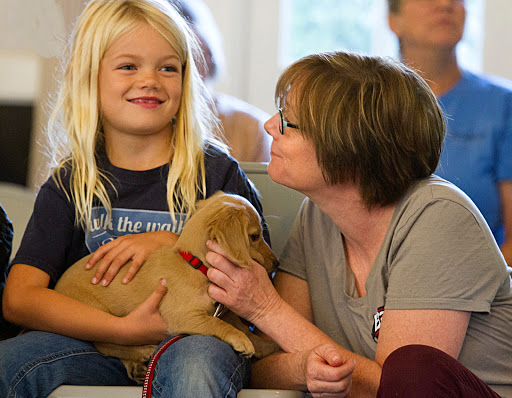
(200,366)
(36,363)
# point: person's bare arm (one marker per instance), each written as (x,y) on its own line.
(28,302)
(505,188)
(292,328)
(442,329)
(250,294)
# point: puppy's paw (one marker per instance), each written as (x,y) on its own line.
(240,343)
(136,370)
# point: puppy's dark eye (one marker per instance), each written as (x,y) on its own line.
(254,237)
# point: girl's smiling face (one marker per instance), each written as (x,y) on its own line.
(139,84)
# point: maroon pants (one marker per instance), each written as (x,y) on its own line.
(423,371)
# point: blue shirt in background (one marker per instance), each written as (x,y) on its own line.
(477,152)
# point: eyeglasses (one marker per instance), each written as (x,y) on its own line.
(284,123)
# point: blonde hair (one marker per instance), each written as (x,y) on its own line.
(75,129)
(371,120)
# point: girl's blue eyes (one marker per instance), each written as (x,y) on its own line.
(164,69)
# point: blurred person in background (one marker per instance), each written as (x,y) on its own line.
(477,153)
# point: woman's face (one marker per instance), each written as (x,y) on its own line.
(293,160)
(140,82)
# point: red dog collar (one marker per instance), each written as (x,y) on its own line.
(194,262)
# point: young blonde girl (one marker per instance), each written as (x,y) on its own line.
(133,147)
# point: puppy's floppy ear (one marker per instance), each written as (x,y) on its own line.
(228,227)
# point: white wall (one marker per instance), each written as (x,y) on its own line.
(497,45)
(250,29)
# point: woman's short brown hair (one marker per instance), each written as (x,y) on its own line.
(372,120)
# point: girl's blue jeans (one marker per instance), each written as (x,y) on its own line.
(36,363)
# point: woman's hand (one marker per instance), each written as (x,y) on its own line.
(327,374)
(248,292)
(145,325)
(115,254)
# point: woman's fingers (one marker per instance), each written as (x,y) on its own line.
(217,259)
(328,374)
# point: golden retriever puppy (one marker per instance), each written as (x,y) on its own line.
(188,309)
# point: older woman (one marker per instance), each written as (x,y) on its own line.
(391,277)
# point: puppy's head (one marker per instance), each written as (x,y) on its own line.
(236,225)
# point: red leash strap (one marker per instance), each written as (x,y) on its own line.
(148,381)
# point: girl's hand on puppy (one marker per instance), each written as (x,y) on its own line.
(248,292)
(145,324)
(115,254)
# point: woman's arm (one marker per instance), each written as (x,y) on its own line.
(290,370)
(250,294)
(505,188)
(442,329)
(320,370)
(28,302)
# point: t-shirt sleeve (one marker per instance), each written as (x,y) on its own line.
(237,182)
(444,258)
(49,233)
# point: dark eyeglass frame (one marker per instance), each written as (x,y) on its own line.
(284,123)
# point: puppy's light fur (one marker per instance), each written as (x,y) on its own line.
(188,309)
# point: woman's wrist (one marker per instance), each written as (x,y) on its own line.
(269,312)
(281,370)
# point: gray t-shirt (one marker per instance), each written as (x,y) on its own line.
(438,253)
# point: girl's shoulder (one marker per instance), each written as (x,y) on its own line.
(60,178)
(219,161)
(224,173)
(215,154)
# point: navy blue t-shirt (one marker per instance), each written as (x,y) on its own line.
(53,242)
